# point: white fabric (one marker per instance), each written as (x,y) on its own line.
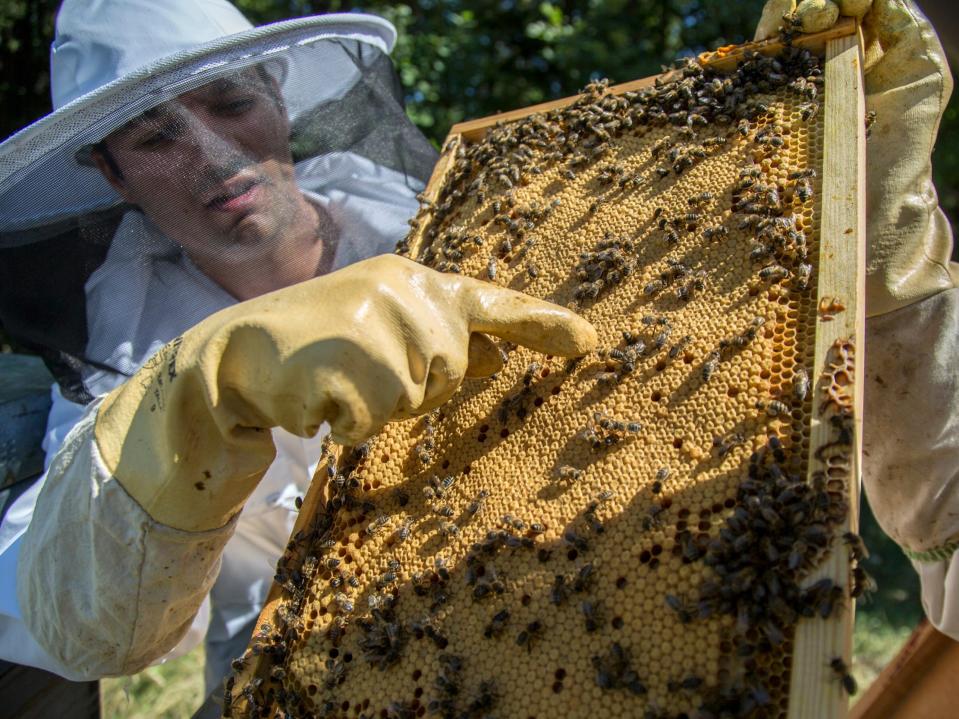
(129,588)
(911,440)
(940,593)
(141,293)
(911,431)
(88,52)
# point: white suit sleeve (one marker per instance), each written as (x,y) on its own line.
(911,442)
(102,587)
(940,592)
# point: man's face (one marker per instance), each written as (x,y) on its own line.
(212,169)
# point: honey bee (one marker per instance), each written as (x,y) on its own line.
(800,383)
(773,273)
(715,231)
(857,548)
(377,524)
(654,287)
(591,615)
(846,679)
(777,408)
(343,602)
(679,346)
(759,252)
(497,624)
(477,504)
(679,605)
(725,445)
(530,634)
(870,121)
(809,110)
(659,146)
(569,473)
(449,530)
(710,365)
(803,276)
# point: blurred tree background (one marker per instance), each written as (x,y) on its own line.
(463,59)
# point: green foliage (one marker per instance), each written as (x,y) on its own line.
(945,163)
(468,58)
(26,28)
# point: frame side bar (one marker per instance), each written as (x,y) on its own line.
(815,692)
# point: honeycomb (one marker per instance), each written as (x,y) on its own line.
(624,535)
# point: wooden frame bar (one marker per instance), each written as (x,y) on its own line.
(472,130)
(918,682)
(842,276)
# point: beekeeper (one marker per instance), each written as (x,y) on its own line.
(164,203)
(232,303)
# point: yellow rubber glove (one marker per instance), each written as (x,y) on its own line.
(907,84)
(188,436)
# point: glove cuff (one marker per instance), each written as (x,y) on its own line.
(939,554)
(174,446)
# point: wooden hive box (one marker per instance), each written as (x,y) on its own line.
(657,529)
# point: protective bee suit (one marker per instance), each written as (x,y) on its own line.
(195,241)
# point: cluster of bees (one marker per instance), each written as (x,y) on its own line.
(777,528)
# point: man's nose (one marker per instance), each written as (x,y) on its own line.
(210,145)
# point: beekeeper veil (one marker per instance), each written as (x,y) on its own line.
(192,161)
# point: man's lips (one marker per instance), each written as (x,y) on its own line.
(237,197)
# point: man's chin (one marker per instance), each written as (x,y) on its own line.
(255,229)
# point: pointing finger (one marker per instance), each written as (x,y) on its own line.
(534,323)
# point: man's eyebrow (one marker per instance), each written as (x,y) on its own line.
(147,116)
(224,85)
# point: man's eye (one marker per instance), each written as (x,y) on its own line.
(235,107)
(158,138)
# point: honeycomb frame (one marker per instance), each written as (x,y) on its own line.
(830,441)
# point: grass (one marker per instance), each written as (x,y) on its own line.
(175,690)
(875,643)
(168,691)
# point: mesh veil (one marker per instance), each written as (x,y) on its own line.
(95,281)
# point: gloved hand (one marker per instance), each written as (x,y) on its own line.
(907,85)
(910,447)
(188,435)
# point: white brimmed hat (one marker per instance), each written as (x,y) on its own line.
(113,59)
